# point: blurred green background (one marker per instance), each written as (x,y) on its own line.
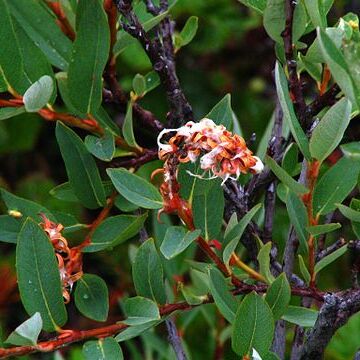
(231,53)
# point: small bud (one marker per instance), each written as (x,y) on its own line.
(15,214)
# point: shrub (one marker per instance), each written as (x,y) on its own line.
(169,227)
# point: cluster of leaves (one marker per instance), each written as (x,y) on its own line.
(44,74)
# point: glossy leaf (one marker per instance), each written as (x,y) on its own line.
(290,160)
(316,230)
(188,32)
(139,84)
(91,297)
(11,60)
(222,113)
(264,262)
(89,56)
(27,333)
(300,316)
(24,207)
(338,67)
(208,210)
(176,240)
(224,300)
(140,310)
(135,189)
(253,326)
(148,273)
(38,94)
(334,186)
(316,11)
(42,28)
(274,20)
(127,129)
(38,276)
(102,349)
(81,168)
(9,112)
(258,5)
(134,331)
(327,260)
(351,150)
(9,229)
(330,130)
(114,231)
(304,270)
(349,213)
(101,147)
(298,218)
(284,177)
(233,237)
(278,296)
(288,110)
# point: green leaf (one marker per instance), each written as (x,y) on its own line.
(338,67)
(222,113)
(134,331)
(223,298)
(290,161)
(91,297)
(42,28)
(335,185)
(274,20)
(9,229)
(152,81)
(38,276)
(176,240)
(139,84)
(278,296)
(304,270)
(114,231)
(234,235)
(330,130)
(298,218)
(35,62)
(81,168)
(322,229)
(351,150)
(316,11)
(102,349)
(27,333)
(289,112)
(89,56)
(188,32)
(284,177)
(11,60)
(208,210)
(327,260)
(300,316)
(264,262)
(253,326)
(135,189)
(127,129)
(64,192)
(140,310)
(349,213)
(148,273)
(38,94)
(258,5)
(101,147)
(9,112)
(24,206)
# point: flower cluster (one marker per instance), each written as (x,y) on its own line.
(69,266)
(220,152)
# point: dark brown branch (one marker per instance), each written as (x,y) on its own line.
(334,313)
(330,249)
(294,82)
(150,154)
(161,54)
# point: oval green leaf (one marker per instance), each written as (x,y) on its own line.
(38,276)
